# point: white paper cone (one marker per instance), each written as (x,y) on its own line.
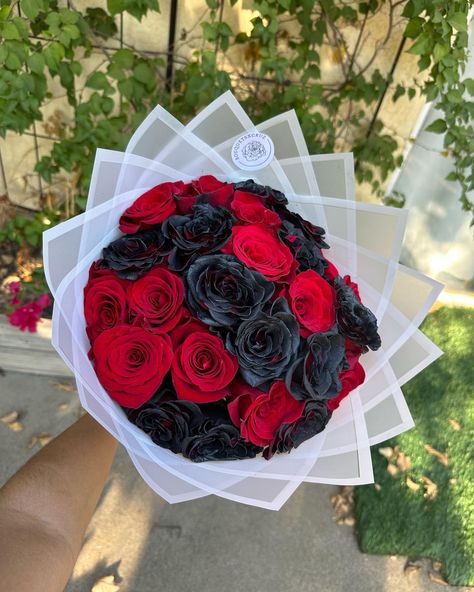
(365,243)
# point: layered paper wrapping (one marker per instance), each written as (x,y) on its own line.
(365,243)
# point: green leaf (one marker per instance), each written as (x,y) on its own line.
(53,54)
(116,6)
(124,58)
(458,21)
(13,61)
(453,176)
(30,8)
(98,81)
(422,46)
(454,96)
(440,50)
(100,22)
(143,73)
(469,84)
(414,27)
(438,126)
(10,32)
(36,63)
(68,17)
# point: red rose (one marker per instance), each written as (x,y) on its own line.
(187,326)
(154,206)
(249,208)
(217,193)
(268,412)
(202,368)
(331,272)
(313,302)
(105,303)
(156,300)
(131,363)
(353,285)
(350,379)
(242,395)
(259,248)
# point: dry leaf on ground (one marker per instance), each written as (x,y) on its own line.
(454,424)
(43,439)
(392,469)
(11,421)
(343,504)
(411,566)
(10,417)
(105,584)
(437,578)
(386,452)
(403,461)
(412,484)
(65,387)
(441,456)
(378,487)
(431,489)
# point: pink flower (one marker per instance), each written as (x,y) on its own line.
(14,288)
(28,315)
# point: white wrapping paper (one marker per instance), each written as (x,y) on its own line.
(365,242)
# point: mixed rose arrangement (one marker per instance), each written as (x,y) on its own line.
(218,324)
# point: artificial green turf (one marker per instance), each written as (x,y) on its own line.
(397,520)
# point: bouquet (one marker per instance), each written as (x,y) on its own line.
(238,332)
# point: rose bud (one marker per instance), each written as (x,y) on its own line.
(222,291)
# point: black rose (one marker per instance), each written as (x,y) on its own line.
(294,225)
(221,291)
(269,196)
(216,439)
(355,320)
(315,373)
(204,231)
(167,423)
(267,345)
(133,254)
(309,256)
(314,419)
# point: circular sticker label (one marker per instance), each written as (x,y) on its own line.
(253,151)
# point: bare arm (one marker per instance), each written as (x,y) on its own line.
(46,506)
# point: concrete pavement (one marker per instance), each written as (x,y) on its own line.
(207,545)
